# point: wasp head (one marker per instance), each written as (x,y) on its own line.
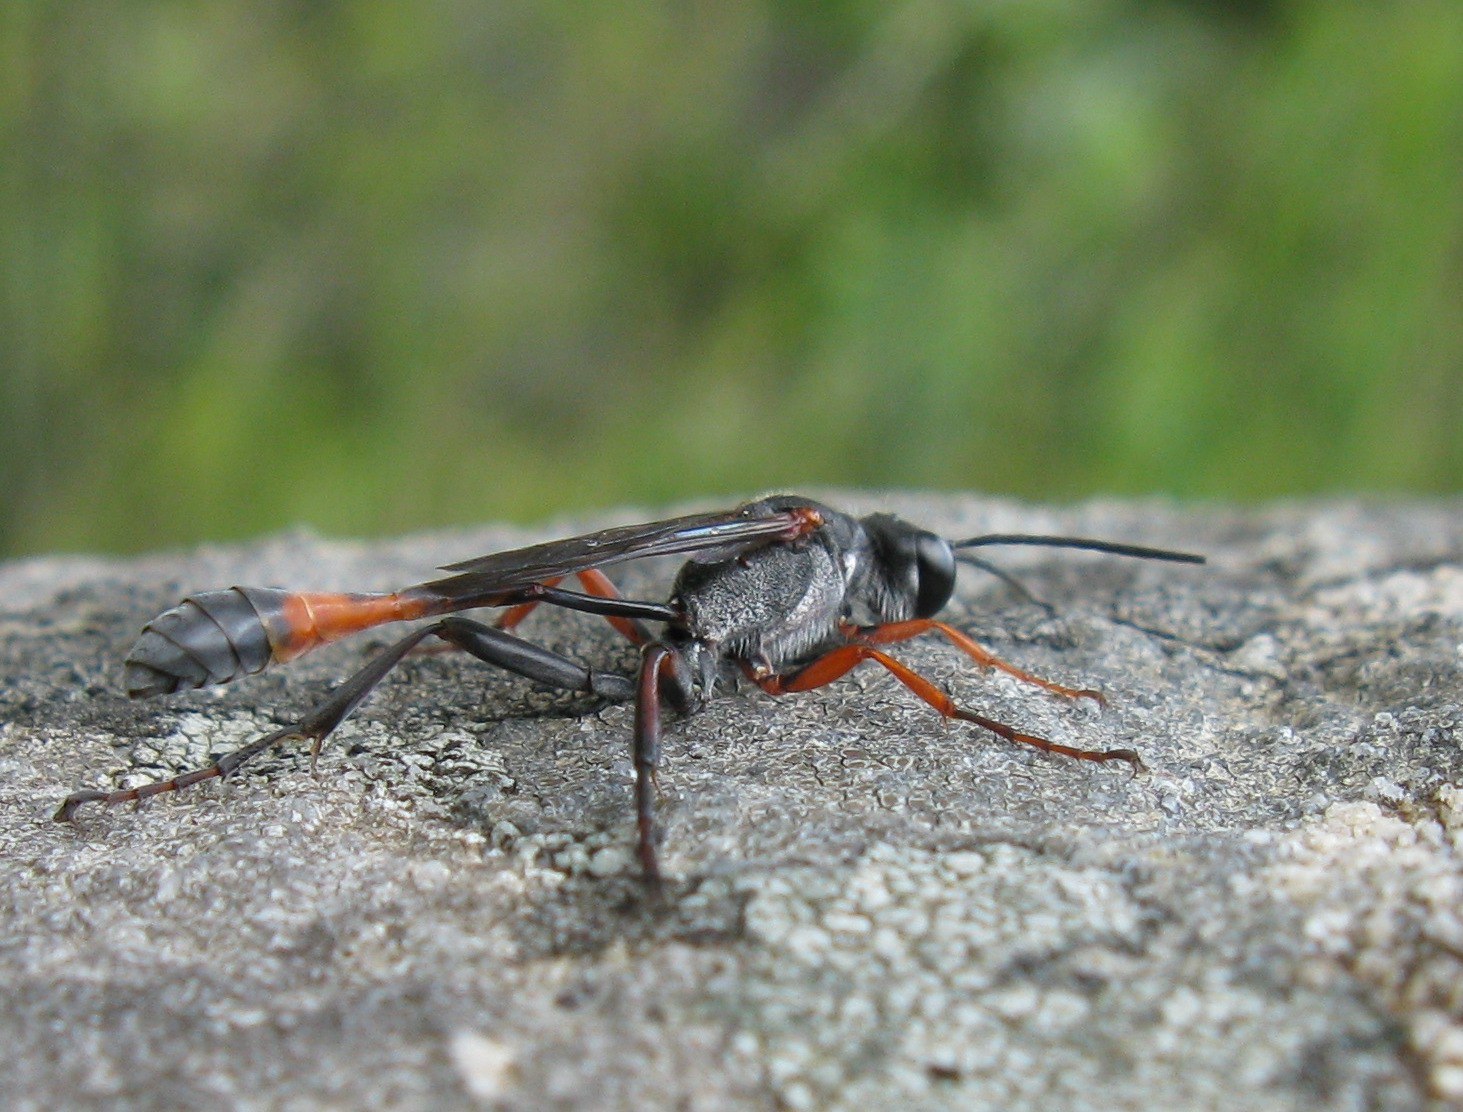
(912,572)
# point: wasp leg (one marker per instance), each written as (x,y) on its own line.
(657,662)
(840,661)
(601,597)
(514,615)
(1009,580)
(903,631)
(493,646)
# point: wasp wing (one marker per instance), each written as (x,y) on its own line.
(213,636)
(725,532)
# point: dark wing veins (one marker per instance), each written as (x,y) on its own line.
(729,531)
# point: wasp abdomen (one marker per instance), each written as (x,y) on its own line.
(216,636)
(208,638)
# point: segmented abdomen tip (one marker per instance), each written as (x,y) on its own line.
(142,681)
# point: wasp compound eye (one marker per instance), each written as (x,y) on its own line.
(936,563)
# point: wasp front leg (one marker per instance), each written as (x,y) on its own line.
(839,662)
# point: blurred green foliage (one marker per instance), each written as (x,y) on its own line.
(375,265)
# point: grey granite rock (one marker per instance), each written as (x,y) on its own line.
(869,909)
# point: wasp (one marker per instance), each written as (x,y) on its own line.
(784,590)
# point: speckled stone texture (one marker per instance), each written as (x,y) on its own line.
(868,908)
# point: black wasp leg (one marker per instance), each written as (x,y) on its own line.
(601,597)
(655,658)
(534,662)
(589,604)
(493,646)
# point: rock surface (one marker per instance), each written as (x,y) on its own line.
(868,909)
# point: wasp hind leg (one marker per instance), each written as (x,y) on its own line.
(492,646)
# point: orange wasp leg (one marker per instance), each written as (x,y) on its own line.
(903,631)
(840,661)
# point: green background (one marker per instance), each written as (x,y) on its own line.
(377,265)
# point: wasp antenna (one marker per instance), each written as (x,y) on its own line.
(1141,552)
(1008,579)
